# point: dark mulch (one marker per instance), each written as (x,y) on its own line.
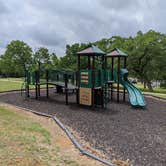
(120,131)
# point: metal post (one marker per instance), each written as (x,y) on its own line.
(27,84)
(78,80)
(47,90)
(102,73)
(118,74)
(112,76)
(66,88)
(28,90)
(93,80)
(124,91)
(39,79)
(36,82)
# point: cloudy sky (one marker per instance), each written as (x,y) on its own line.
(54,23)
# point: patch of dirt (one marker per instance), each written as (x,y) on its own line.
(58,137)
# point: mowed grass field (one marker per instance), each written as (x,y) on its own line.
(24,141)
(158,91)
(7,84)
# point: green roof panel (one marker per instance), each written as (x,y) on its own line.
(93,50)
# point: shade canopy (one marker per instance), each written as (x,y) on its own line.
(116,53)
(92,51)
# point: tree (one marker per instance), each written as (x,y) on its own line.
(147,56)
(55,61)
(15,58)
(42,56)
(69,61)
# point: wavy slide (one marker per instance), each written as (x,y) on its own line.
(135,96)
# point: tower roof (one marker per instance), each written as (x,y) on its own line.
(116,53)
(93,50)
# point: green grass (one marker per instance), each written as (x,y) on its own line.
(162,95)
(25,142)
(7,84)
(157,91)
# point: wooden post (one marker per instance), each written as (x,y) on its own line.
(118,75)
(124,91)
(47,90)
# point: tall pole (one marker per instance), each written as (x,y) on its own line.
(78,79)
(118,73)
(102,74)
(39,78)
(112,71)
(93,79)
(47,91)
(66,87)
(112,76)
(124,91)
(36,84)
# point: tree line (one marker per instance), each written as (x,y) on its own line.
(146,56)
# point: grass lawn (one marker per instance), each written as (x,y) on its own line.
(7,84)
(158,91)
(24,141)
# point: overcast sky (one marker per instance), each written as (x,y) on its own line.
(54,23)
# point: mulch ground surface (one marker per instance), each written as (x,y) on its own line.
(120,131)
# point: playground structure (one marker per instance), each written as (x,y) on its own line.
(64,81)
(93,84)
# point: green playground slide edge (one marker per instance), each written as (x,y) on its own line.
(135,96)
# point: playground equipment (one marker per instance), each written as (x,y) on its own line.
(91,80)
(93,84)
(135,96)
(120,77)
(61,79)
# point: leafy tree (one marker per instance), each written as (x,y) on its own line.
(147,56)
(42,56)
(15,58)
(70,60)
(55,61)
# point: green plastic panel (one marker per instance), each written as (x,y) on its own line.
(86,78)
(30,77)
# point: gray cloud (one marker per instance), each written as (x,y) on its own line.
(53,24)
(3,8)
(47,36)
(119,4)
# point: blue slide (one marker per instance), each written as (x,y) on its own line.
(135,96)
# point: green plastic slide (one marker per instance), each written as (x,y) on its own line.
(135,96)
